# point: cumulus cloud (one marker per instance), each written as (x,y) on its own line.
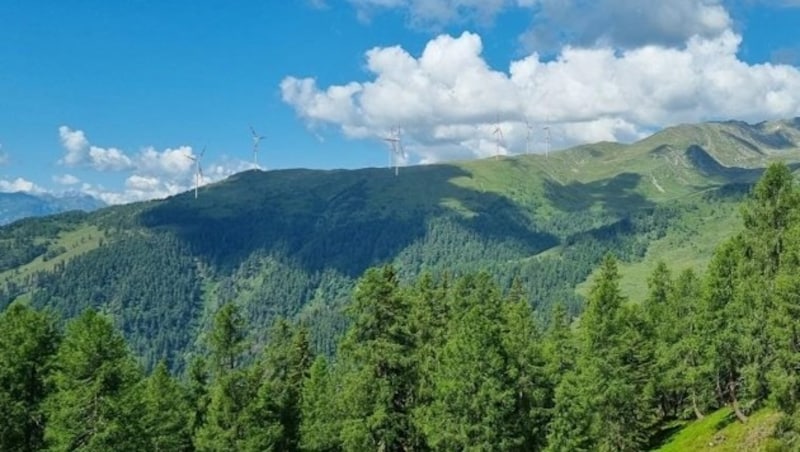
(66,179)
(153,173)
(75,143)
(169,162)
(448,100)
(622,23)
(19,185)
(79,152)
(553,23)
(108,159)
(160,183)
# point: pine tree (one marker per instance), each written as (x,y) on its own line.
(167,415)
(559,346)
(227,340)
(475,399)
(378,376)
(662,329)
(28,341)
(320,426)
(94,405)
(526,367)
(769,217)
(784,332)
(197,397)
(725,318)
(272,419)
(601,406)
(689,352)
(232,388)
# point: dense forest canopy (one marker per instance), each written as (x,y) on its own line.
(293,243)
(441,362)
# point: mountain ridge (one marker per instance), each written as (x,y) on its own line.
(19,205)
(292,242)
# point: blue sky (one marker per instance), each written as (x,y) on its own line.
(109,97)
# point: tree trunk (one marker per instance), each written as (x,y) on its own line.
(735,403)
(697,412)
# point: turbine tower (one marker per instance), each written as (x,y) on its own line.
(198,170)
(498,132)
(256,140)
(547,139)
(396,149)
(529,132)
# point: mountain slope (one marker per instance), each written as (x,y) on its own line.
(15,206)
(292,242)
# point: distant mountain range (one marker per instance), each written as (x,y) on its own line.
(15,206)
(292,242)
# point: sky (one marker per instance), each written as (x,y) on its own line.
(115,99)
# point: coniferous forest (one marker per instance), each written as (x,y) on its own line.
(445,362)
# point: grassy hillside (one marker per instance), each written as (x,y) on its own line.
(719,431)
(292,242)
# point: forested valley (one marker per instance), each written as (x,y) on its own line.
(442,362)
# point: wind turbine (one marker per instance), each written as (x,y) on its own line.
(547,139)
(396,149)
(498,132)
(256,140)
(198,171)
(529,132)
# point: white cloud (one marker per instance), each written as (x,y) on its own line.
(66,179)
(152,173)
(19,185)
(163,175)
(75,143)
(622,23)
(79,152)
(619,23)
(448,99)
(169,162)
(108,159)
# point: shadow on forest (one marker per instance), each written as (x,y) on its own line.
(348,220)
(616,195)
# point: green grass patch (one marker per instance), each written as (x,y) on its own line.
(67,245)
(720,431)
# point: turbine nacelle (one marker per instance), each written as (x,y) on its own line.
(256,141)
(395,149)
(198,170)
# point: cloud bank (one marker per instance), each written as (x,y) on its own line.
(448,100)
(152,173)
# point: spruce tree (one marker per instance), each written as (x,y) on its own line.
(232,388)
(167,414)
(94,405)
(378,369)
(475,397)
(320,421)
(272,418)
(601,406)
(725,316)
(526,367)
(662,329)
(689,353)
(28,341)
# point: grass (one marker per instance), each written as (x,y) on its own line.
(687,245)
(721,432)
(74,243)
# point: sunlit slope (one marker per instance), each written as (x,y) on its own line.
(292,242)
(720,431)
